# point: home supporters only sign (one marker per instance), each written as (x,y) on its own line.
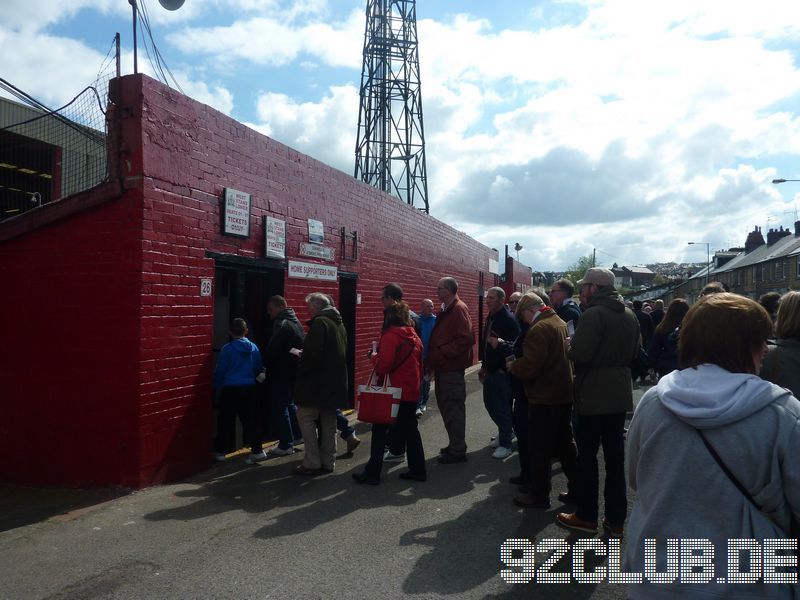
(305,270)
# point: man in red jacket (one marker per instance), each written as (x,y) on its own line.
(449,353)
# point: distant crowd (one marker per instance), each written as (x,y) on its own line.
(711,449)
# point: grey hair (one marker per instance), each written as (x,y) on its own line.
(319,300)
(501,293)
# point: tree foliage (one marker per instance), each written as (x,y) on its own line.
(578,270)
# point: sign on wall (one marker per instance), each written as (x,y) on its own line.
(304,270)
(316,251)
(236,213)
(205,287)
(316,232)
(275,237)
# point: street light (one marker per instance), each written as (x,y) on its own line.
(783,180)
(708,256)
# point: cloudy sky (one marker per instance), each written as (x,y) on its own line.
(626,126)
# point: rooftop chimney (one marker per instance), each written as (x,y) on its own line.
(754,240)
(797,229)
(773,235)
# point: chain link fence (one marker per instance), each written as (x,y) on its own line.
(46,154)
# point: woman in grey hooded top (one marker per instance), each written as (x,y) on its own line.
(682,492)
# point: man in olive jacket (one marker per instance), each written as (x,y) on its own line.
(321,385)
(602,349)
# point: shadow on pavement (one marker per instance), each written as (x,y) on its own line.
(20,506)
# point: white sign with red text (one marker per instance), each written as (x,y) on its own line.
(236,213)
(276,238)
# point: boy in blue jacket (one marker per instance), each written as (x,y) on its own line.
(238,368)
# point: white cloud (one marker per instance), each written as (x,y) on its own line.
(319,129)
(272,41)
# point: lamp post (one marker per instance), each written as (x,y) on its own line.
(781,180)
(708,256)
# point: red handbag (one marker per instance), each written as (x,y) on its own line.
(378,404)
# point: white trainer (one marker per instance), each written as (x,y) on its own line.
(281,451)
(389,457)
(494,443)
(255,457)
(501,452)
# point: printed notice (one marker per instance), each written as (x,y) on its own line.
(306,270)
(236,213)
(275,238)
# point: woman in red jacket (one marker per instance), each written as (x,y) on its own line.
(399,355)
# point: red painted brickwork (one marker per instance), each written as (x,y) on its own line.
(518,276)
(69,362)
(179,155)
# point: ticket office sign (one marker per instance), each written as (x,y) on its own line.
(236,213)
(275,238)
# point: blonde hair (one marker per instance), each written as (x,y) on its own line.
(787,325)
(528,300)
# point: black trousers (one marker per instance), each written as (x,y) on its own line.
(608,430)
(406,429)
(237,400)
(519,418)
(550,434)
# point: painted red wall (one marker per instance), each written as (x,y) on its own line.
(179,155)
(69,358)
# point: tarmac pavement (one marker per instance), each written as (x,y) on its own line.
(242,531)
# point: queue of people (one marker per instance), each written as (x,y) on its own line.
(710,446)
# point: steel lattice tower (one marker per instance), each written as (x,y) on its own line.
(390,147)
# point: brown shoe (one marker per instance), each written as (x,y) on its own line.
(352,443)
(528,501)
(304,470)
(571,521)
(611,531)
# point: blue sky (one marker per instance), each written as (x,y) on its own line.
(566,125)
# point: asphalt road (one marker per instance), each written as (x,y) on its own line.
(240,531)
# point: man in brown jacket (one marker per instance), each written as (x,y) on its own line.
(546,374)
(449,353)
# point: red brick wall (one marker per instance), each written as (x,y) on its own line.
(181,155)
(69,372)
(518,276)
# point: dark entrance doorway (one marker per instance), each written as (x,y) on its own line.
(241,289)
(347,308)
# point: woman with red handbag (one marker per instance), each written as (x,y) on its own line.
(399,356)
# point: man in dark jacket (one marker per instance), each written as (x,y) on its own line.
(449,353)
(321,384)
(287,333)
(602,350)
(561,297)
(497,394)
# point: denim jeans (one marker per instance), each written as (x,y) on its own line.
(594,430)
(498,401)
(282,408)
(424,393)
(343,425)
